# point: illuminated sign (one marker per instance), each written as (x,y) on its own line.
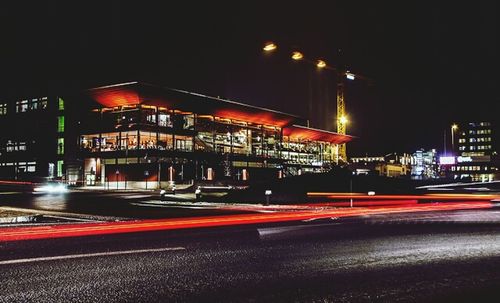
(464,159)
(446,160)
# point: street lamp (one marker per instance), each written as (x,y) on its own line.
(321,64)
(453,128)
(269,47)
(297,56)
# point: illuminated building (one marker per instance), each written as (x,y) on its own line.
(135,135)
(477,158)
(390,165)
(33,134)
(424,164)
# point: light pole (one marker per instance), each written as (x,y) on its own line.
(453,128)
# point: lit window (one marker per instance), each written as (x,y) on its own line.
(164,120)
(61,104)
(22,106)
(3,109)
(22,146)
(60,164)
(60,124)
(10,146)
(60,146)
(43,103)
(151,118)
(34,104)
(31,167)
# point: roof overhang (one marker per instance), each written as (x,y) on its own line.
(314,134)
(135,93)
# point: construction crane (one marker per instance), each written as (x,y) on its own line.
(341,118)
(341,112)
(342,74)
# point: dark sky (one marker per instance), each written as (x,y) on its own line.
(430,64)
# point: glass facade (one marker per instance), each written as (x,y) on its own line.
(147,127)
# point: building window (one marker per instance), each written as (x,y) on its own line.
(60,164)
(61,104)
(60,124)
(60,146)
(22,106)
(31,167)
(21,146)
(15,146)
(148,140)
(151,118)
(34,104)
(164,120)
(43,103)
(3,109)
(10,146)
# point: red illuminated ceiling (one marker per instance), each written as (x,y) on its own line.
(137,93)
(113,96)
(257,118)
(306,133)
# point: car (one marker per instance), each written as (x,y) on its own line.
(51,187)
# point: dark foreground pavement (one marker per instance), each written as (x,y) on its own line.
(320,261)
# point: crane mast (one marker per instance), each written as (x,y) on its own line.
(341,123)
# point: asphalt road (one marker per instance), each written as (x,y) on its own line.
(346,260)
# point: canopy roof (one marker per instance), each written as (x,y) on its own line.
(134,93)
(314,134)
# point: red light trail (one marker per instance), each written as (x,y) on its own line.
(90,229)
(475,197)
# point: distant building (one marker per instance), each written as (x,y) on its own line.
(392,170)
(476,151)
(390,165)
(367,159)
(424,164)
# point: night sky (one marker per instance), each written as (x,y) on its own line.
(427,61)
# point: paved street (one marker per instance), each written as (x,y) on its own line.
(344,260)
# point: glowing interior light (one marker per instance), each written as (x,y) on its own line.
(343,120)
(321,64)
(297,55)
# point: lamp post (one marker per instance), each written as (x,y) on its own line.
(453,128)
(117,175)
